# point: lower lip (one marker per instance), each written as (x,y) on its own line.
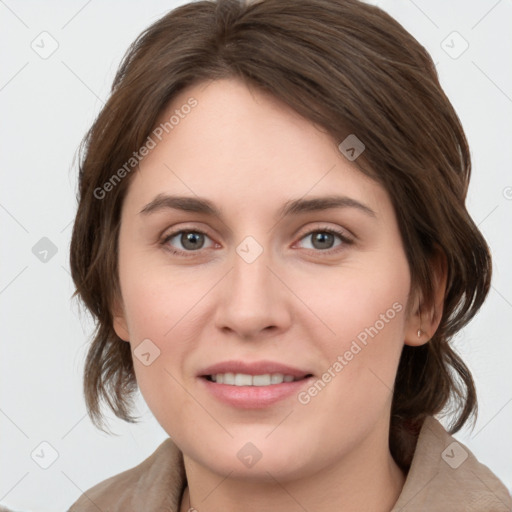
(254,397)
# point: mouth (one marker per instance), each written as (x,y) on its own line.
(245,379)
(244,373)
(253,385)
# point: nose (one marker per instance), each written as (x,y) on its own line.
(254,299)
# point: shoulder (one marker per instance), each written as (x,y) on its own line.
(155,483)
(446,475)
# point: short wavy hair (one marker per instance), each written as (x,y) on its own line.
(350,68)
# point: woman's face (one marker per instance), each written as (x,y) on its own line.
(253,286)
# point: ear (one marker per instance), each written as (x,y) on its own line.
(423,320)
(119,321)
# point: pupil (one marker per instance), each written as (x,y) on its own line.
(192,238)
(322,237)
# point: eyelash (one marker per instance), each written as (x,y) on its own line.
(327,252)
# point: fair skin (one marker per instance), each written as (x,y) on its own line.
(297,303)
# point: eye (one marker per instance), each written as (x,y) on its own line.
(191,240)
(323,239)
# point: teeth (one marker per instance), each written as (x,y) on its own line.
(242,379)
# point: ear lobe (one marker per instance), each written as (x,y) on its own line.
(423,319)
(119,322)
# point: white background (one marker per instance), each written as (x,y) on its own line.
(46,107)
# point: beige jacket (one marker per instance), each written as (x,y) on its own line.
(444,477)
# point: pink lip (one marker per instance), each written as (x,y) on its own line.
(254,397)
(253,368)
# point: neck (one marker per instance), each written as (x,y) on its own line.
(367,480)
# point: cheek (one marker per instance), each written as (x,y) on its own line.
(361,302)
(155,298)
(364,309)
(161,311)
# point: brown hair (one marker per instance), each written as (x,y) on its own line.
(351,69)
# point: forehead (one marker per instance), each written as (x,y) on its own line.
(240,143)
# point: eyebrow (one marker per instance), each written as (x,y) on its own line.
(291,207)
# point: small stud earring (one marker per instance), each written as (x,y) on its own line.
(420,332)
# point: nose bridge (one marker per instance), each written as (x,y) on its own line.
(252,299)
(251,279)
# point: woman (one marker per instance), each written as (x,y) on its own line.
(272,236)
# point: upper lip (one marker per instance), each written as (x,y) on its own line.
(253,368)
